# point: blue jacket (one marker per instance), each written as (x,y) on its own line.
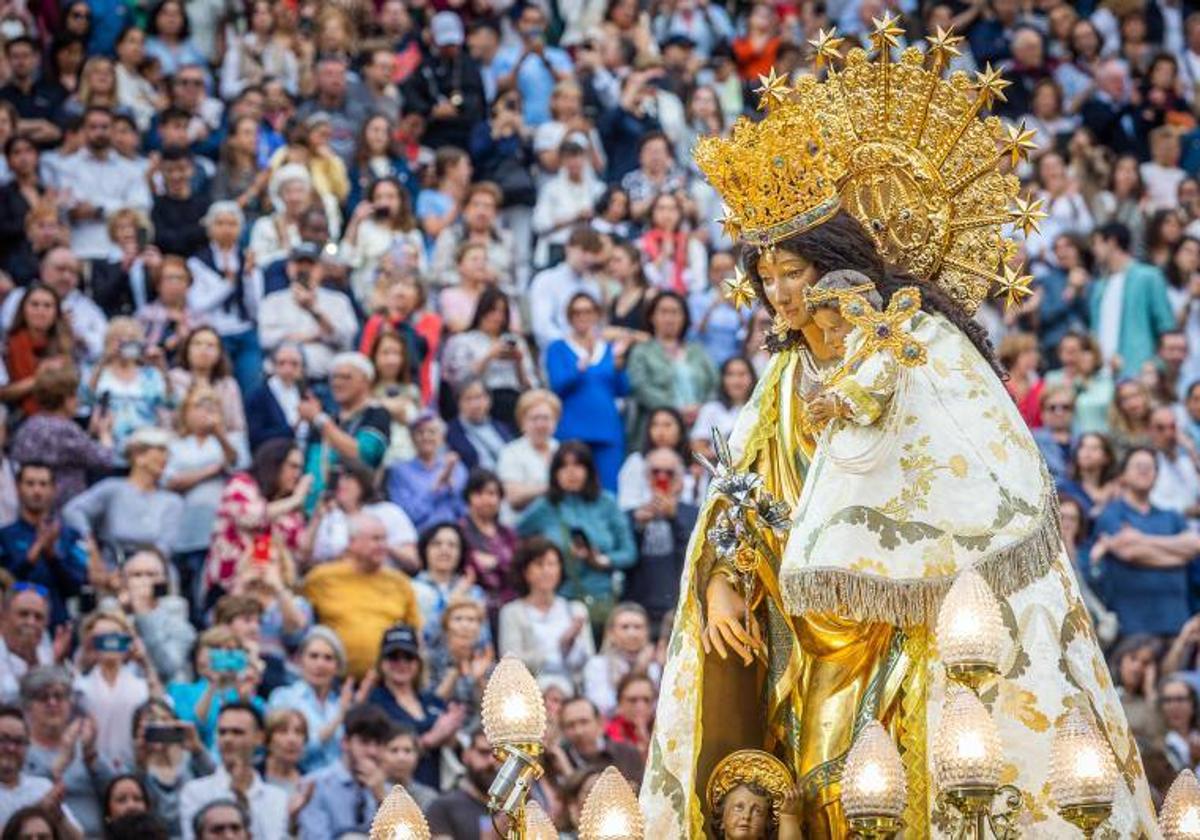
(265,419)
(456,439)
(589,397)
(1145,314)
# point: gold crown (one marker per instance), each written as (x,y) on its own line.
(901,148)
(749,767)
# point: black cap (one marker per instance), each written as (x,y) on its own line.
(680,40)
(310,251)
(400,637)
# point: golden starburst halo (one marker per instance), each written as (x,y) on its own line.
(773,91)
(1027,214)
(887,31)
(827,47)
(990,85)
(944,45)
(739,291)
(1014,286)
(1018,143)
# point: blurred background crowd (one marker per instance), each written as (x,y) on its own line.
(348,346)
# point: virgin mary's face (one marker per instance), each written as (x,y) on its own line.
(785,276)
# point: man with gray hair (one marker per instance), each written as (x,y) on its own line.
(273,408)
(361,432)
(358,597)
(1109,114)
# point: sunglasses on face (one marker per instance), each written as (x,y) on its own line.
(400,656)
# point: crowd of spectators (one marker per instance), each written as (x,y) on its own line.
(350,345)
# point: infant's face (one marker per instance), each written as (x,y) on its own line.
(834,328)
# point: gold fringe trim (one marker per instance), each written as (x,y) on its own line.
(908,602)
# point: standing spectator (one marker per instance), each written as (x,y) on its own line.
(60,271)
(490,543)
(633,718)
(627,307)
(21,788)
(669,370)
(1135,675)
(273,409)
(358,598)
(37,547)
(716,324)
(1161,173)
(737,383)
(585,524)
(400,693)
(128,388)
(552,289)
(395,389)
(478,225)
(1129,306)
(178,210)
(627,649)
(170,38)
(657,173)
(661,528)
(287,740)
(1109,112)
(1091,475)
(1181,720)
(524,463)
(159,614)
(347,793)
(20,195)
(38,333)
(334,103)
(382,225)
(444,576)
(1063,306)
(447,89)
(267,500)
(755,51)
(1019,356)
(121,513)
(585,744)
(568,198)
(1124,200)
(23,640)
(587,373)
(532,66)
(353,491)
(428,487)
(1129,416)
(400,758)
(502,151)
(360,430)
(321,321)
(377,156)
(239,735)
(1177,482)
(36,97)
(98,181)
(1146,553)
(217,684)
(1054,439)
(673,259)
(274,236)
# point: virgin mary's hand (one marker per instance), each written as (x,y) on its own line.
(725,630)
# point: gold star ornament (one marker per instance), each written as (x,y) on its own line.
(826,47)
(990,85)
(1014,286)
(1027,214)
(730,226)
(1018,143)
(773,91)
(739,291)
(944,45)
(887,31)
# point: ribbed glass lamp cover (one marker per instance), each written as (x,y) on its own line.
(513,710)
(399,818)
(1082,768)
(537,825)
(611,810)
(1179,818)
(966,746)
(873,783)
(969,627)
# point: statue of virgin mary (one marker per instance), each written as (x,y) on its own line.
(885,168)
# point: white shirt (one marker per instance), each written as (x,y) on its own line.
(288,398)
(87,319)
(1162,184)
(520,463)
(28,791)
(1177,487)
(549,294)
(109,183)
(561,200)
(333,534)
(13,668)
(209,291)
(268,804)
(113,706)
(1108,331)
(281,316)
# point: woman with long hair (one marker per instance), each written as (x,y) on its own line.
(672,257)
(627,308)
(382,224)
(491,351)
(239,177)
(490,544)
(36,822)
(286,738)
(203,362)
(395,389)
(170,38)
(1180,710)
(444,576)
(377,156)
(1092,473)
(39,334)
(1135,669)
(737,381)
(1164,232)
(626,649)
(24,191)
(398,304)
(1020,357)
(665,429)
(262,52)
(134,90)
(97,87)
(1129,416)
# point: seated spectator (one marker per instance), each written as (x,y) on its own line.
(429,487)
(633,719)
(657,173)
(382,226)
(399,761)
(443,576)
(552,291)
(24,643)
(1177,701)
(322,662)
(116,676)
(165,759)
(1054,438)
(716,324)
(672,257)
(524,463)
(400,694)
(1177,486)
(395,389)
(267,500)
(167,320)
(661,528)
(584,522)
(170,38)
(43,232)
(585,743)
(664,430)
(493,352)
(399,305)
(568,198)
(37,548)
(1146,554)
(1135,675)
(226,673)
(39,332)
(460,658)
(358,598)
(626,649)
(62,745)
(51,436)
(178,212)
(478,225)
(550,634)
(19,195)
(125,796)
(239,735)
(1079,355)
(60,271)
(354,492)
(473,434)
(1129,416)
(128,383)
(19,787)
(347,792)
(460,812)
(321,321)
(438,208)
(378,156)
(736,384)
(490,544)
(286,743)
(587,373)
(158,612)
(274,236)
(627,307)
(273,408)
(359,432)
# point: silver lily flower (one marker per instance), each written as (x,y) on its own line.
(776,514)
(739,487)
(724,536)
